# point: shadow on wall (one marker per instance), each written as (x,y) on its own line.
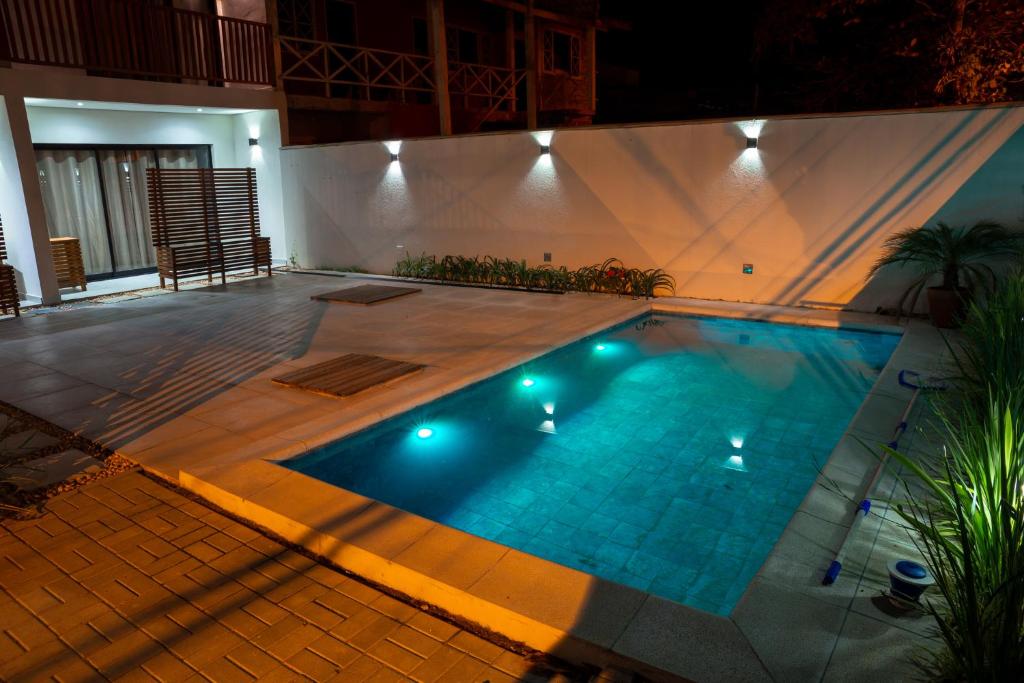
(993,192)
(866,232)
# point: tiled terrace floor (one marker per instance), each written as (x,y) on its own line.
(126,579)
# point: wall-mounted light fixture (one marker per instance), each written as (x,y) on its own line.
(393,147)
(254,142)
(751,143)
(543,138)
(80,104)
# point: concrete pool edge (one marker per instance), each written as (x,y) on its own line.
(542,604)
(787,588)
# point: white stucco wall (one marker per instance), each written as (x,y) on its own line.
(809,208)
(266,159)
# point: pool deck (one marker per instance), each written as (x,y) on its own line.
(181,385)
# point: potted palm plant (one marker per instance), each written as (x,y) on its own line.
(961,256)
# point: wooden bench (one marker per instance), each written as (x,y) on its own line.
(8,283)
(205,223)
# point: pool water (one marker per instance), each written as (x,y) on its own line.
(667,454)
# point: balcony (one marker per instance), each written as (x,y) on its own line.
(132,39)
(333,70)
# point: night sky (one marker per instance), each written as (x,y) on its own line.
(692,59)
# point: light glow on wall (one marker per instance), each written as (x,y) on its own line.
(393,147)
(543,137)
(752,128)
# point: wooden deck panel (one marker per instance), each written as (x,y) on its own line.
(365,294)
(347,375)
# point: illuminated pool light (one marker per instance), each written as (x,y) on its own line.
(600,347)
(735,462)
(736,441)
(528,382)
(424,432)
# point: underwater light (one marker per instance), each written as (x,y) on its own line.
(528,382)
(424,432)
(735,462)
(736,441)
(600,347)
(549,408)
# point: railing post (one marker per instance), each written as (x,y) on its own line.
(438,42)
(275,63)
(531,68)
(510,53)
(591,38)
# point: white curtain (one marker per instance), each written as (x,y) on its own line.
(85,192)
(69,180)
(184,158)
(124,181)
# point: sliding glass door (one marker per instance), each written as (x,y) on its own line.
(99,196)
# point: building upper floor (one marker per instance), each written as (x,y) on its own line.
(386,50)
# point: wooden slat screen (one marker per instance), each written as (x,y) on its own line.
(202,205)
(3,245)
(9,297)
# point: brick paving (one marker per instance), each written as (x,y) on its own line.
(125,579)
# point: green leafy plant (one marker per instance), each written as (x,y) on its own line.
(610,277)
(969,522)
(961,256)
(990,354)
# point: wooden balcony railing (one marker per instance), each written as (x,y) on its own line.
(319,68)
(484,87)
(316,67)
(132,39)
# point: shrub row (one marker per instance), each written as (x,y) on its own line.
(610,277)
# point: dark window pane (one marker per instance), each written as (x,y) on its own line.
(341,22)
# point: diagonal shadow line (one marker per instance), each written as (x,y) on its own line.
(205,362)
(849,242)
(132,659)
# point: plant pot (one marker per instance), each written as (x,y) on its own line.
(946,307)
(908,579)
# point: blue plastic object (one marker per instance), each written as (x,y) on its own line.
(833,573)
(911,569)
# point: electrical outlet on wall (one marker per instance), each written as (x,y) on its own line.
(547,257)
(748,268)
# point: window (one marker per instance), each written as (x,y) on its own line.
(295,18)
(463,45)
(341,22)
(420,38)
(562,53)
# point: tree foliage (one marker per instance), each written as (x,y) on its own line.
(849,54)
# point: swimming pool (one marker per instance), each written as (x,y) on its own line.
(667,453)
